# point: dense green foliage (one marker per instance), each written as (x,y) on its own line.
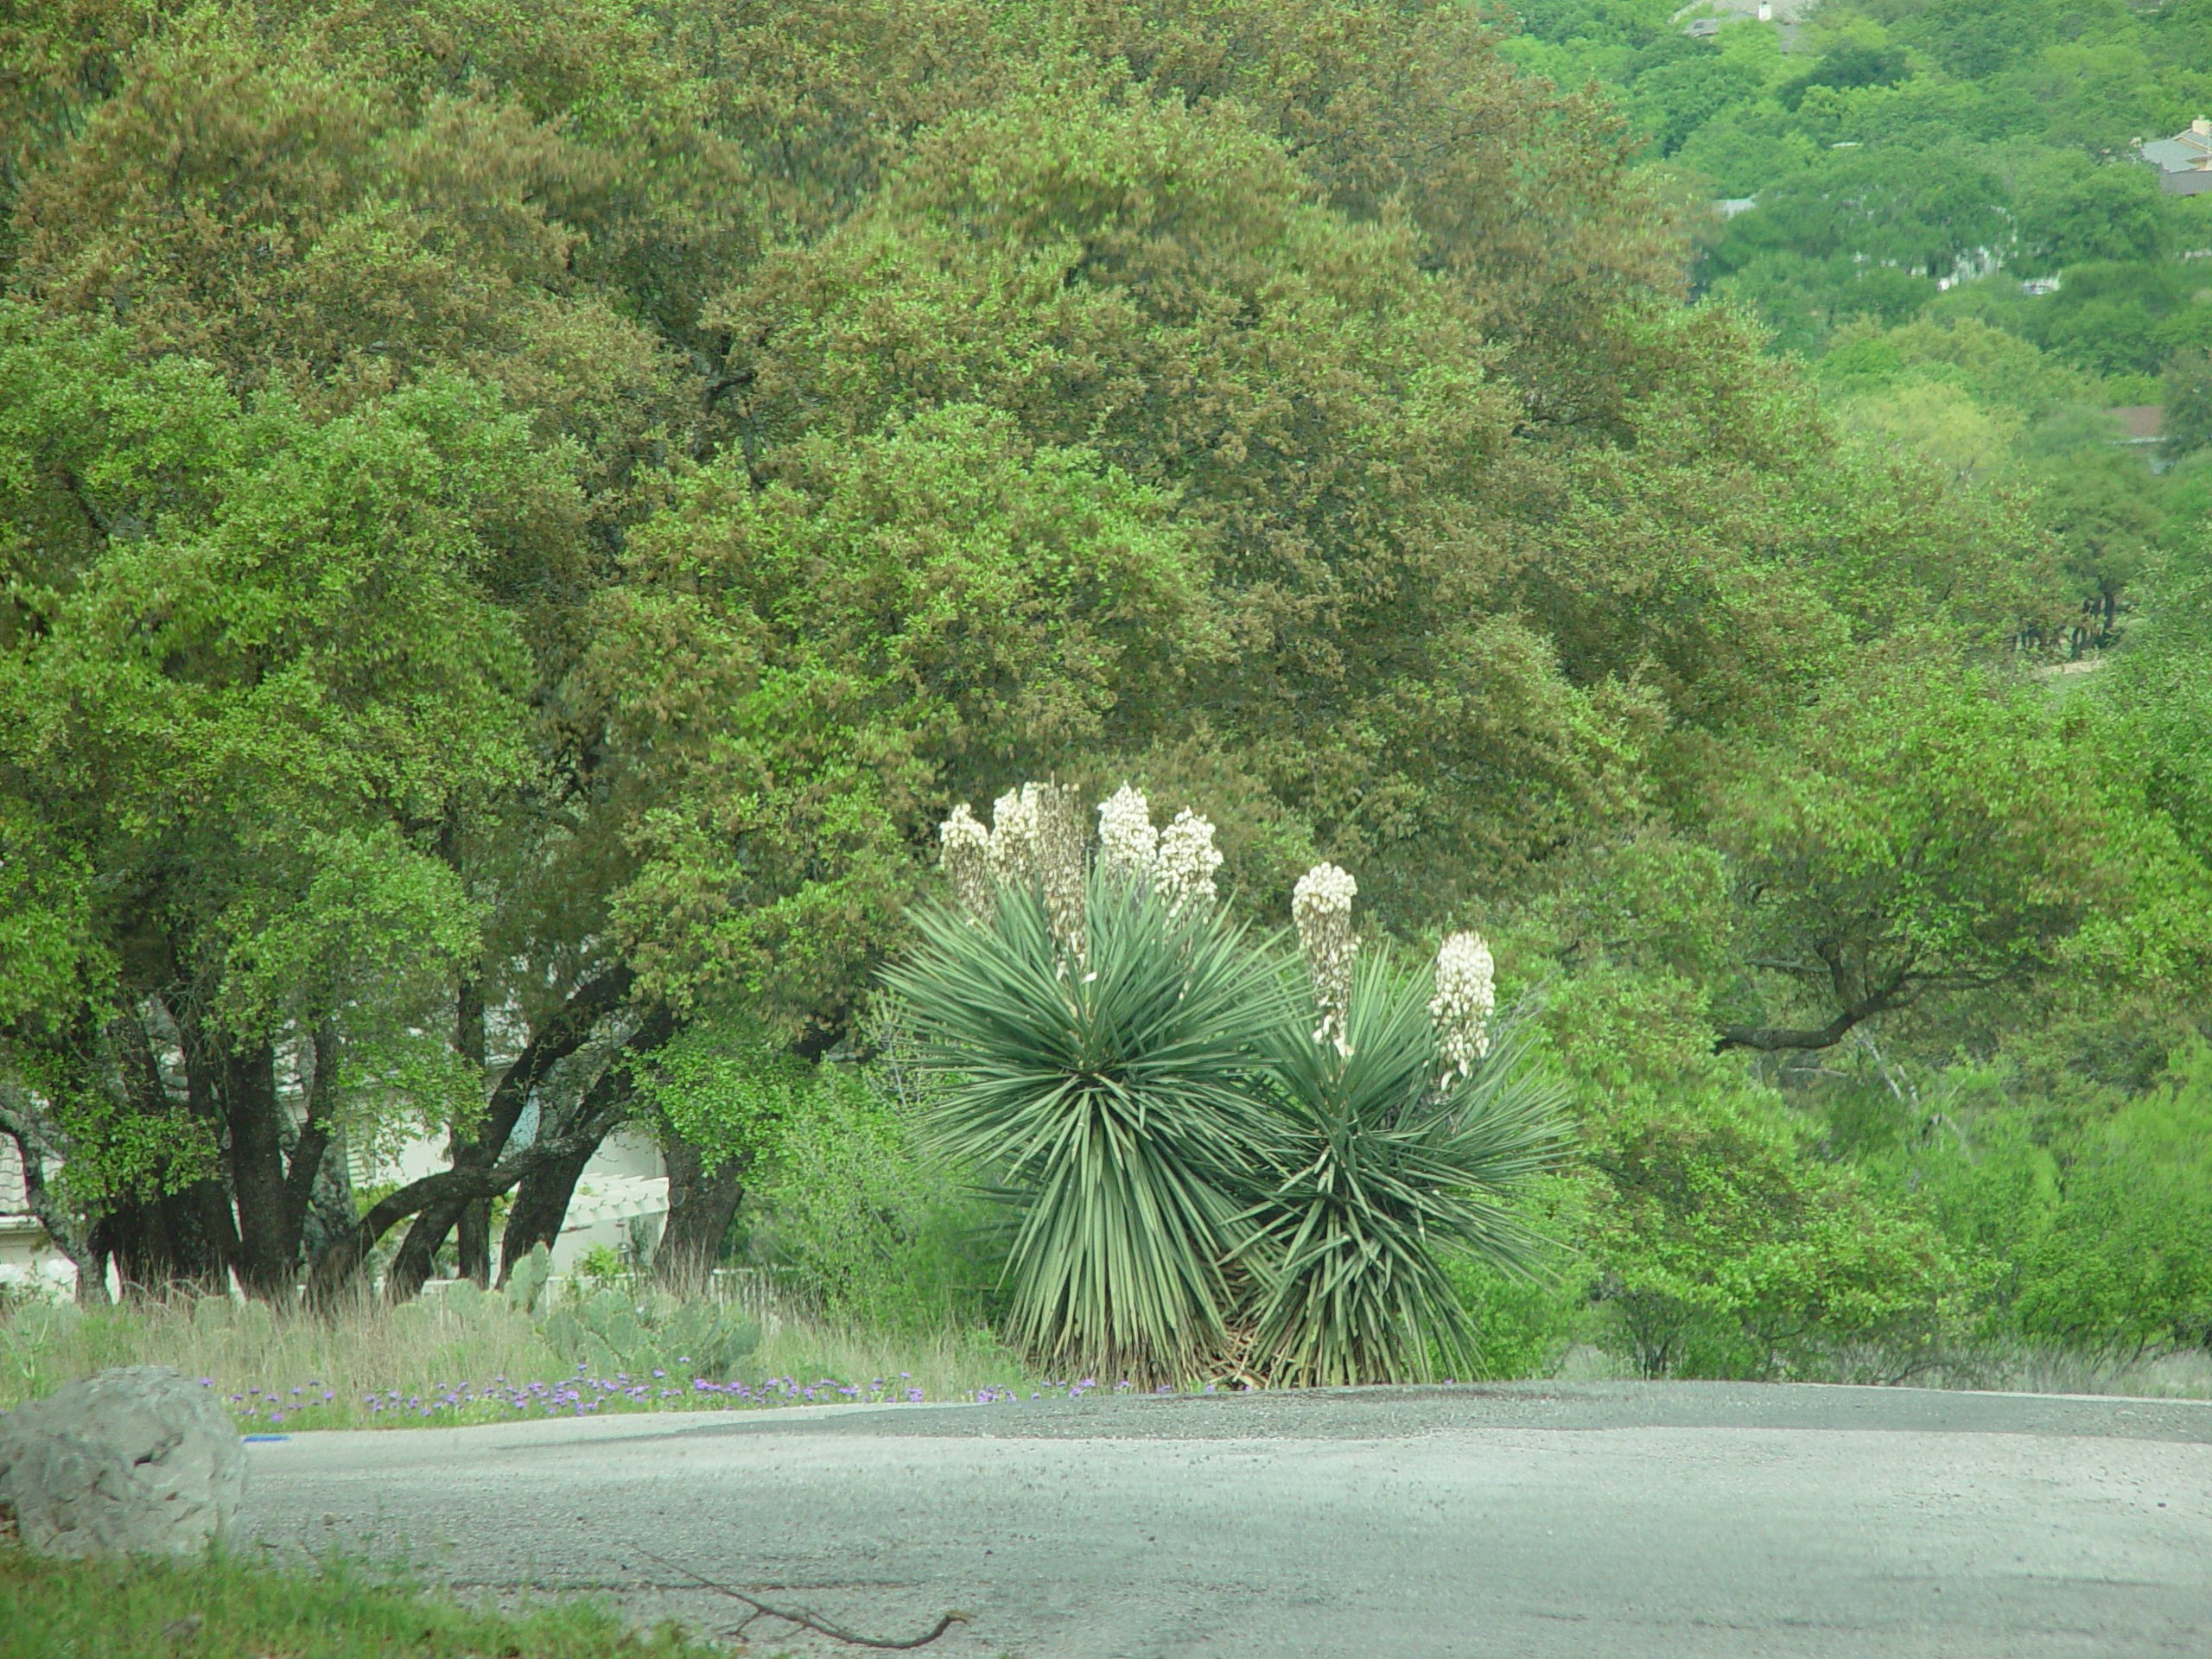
(516,525)
(857,1212)
(1940,202)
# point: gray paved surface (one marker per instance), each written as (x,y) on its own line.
(1695,1519)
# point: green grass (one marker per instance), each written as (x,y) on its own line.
(426,1366)
(221,1607)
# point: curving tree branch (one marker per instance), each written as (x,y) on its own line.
(562,1034)
(341,1258)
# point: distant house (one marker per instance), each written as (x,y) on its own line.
(2142,426)
(1702,21)
(2184,161)
(1737,11)
(2139,422)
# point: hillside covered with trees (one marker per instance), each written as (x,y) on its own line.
(521,518)
(1949,210)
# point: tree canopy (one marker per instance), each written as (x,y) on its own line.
(519,524)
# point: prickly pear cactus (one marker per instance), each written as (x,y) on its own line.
(527,1283)
(610,1333)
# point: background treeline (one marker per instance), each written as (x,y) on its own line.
(1942,206)
(520,519)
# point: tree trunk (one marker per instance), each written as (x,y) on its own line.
(315,1176)
(474,1220)
(330,1203)
(268,1232)
(250,1219)
(335,1268)
(542,1204)
(473,1240)
(203,1225)
(119,1236)
(181,1241)
(701,1206)
(417,1258)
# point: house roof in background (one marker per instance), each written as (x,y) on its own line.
(2186,151)
(2141,423)
(1785,11)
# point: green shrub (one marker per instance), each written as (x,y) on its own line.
(2099,1232)
(870,1223)
(1521,1326)
(1724,1247)
(1524,1323)
(601,1268)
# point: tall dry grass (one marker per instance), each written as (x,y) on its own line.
(428,1364)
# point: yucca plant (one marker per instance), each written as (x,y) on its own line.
(1404,1123)
(1104,1075)
(1209,1158)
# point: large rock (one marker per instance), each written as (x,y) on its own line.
(137,1461)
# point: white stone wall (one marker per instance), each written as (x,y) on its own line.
(23,1244)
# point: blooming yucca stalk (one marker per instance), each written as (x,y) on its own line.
(1385,1174)
(1129,846)
(964,851)
(1321,906)
(1036,836)
(1014,836)
(1115,1110)
(1056,816)
(1178,863)
(1183,873)
(1466,996)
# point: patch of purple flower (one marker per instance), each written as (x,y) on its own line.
(585,1395)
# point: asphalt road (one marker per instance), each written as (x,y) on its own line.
(1607,1521)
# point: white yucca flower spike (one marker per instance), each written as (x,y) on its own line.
(1037,838)
(1055,816)
(1014,837)
(1466,996)
(965,854)
(1321,905)
(1129,847)
(1187,860)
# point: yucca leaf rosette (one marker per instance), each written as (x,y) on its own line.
(1116,1109)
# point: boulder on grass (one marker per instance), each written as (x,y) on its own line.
(137,1461)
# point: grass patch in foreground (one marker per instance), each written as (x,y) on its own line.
(221,1607)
